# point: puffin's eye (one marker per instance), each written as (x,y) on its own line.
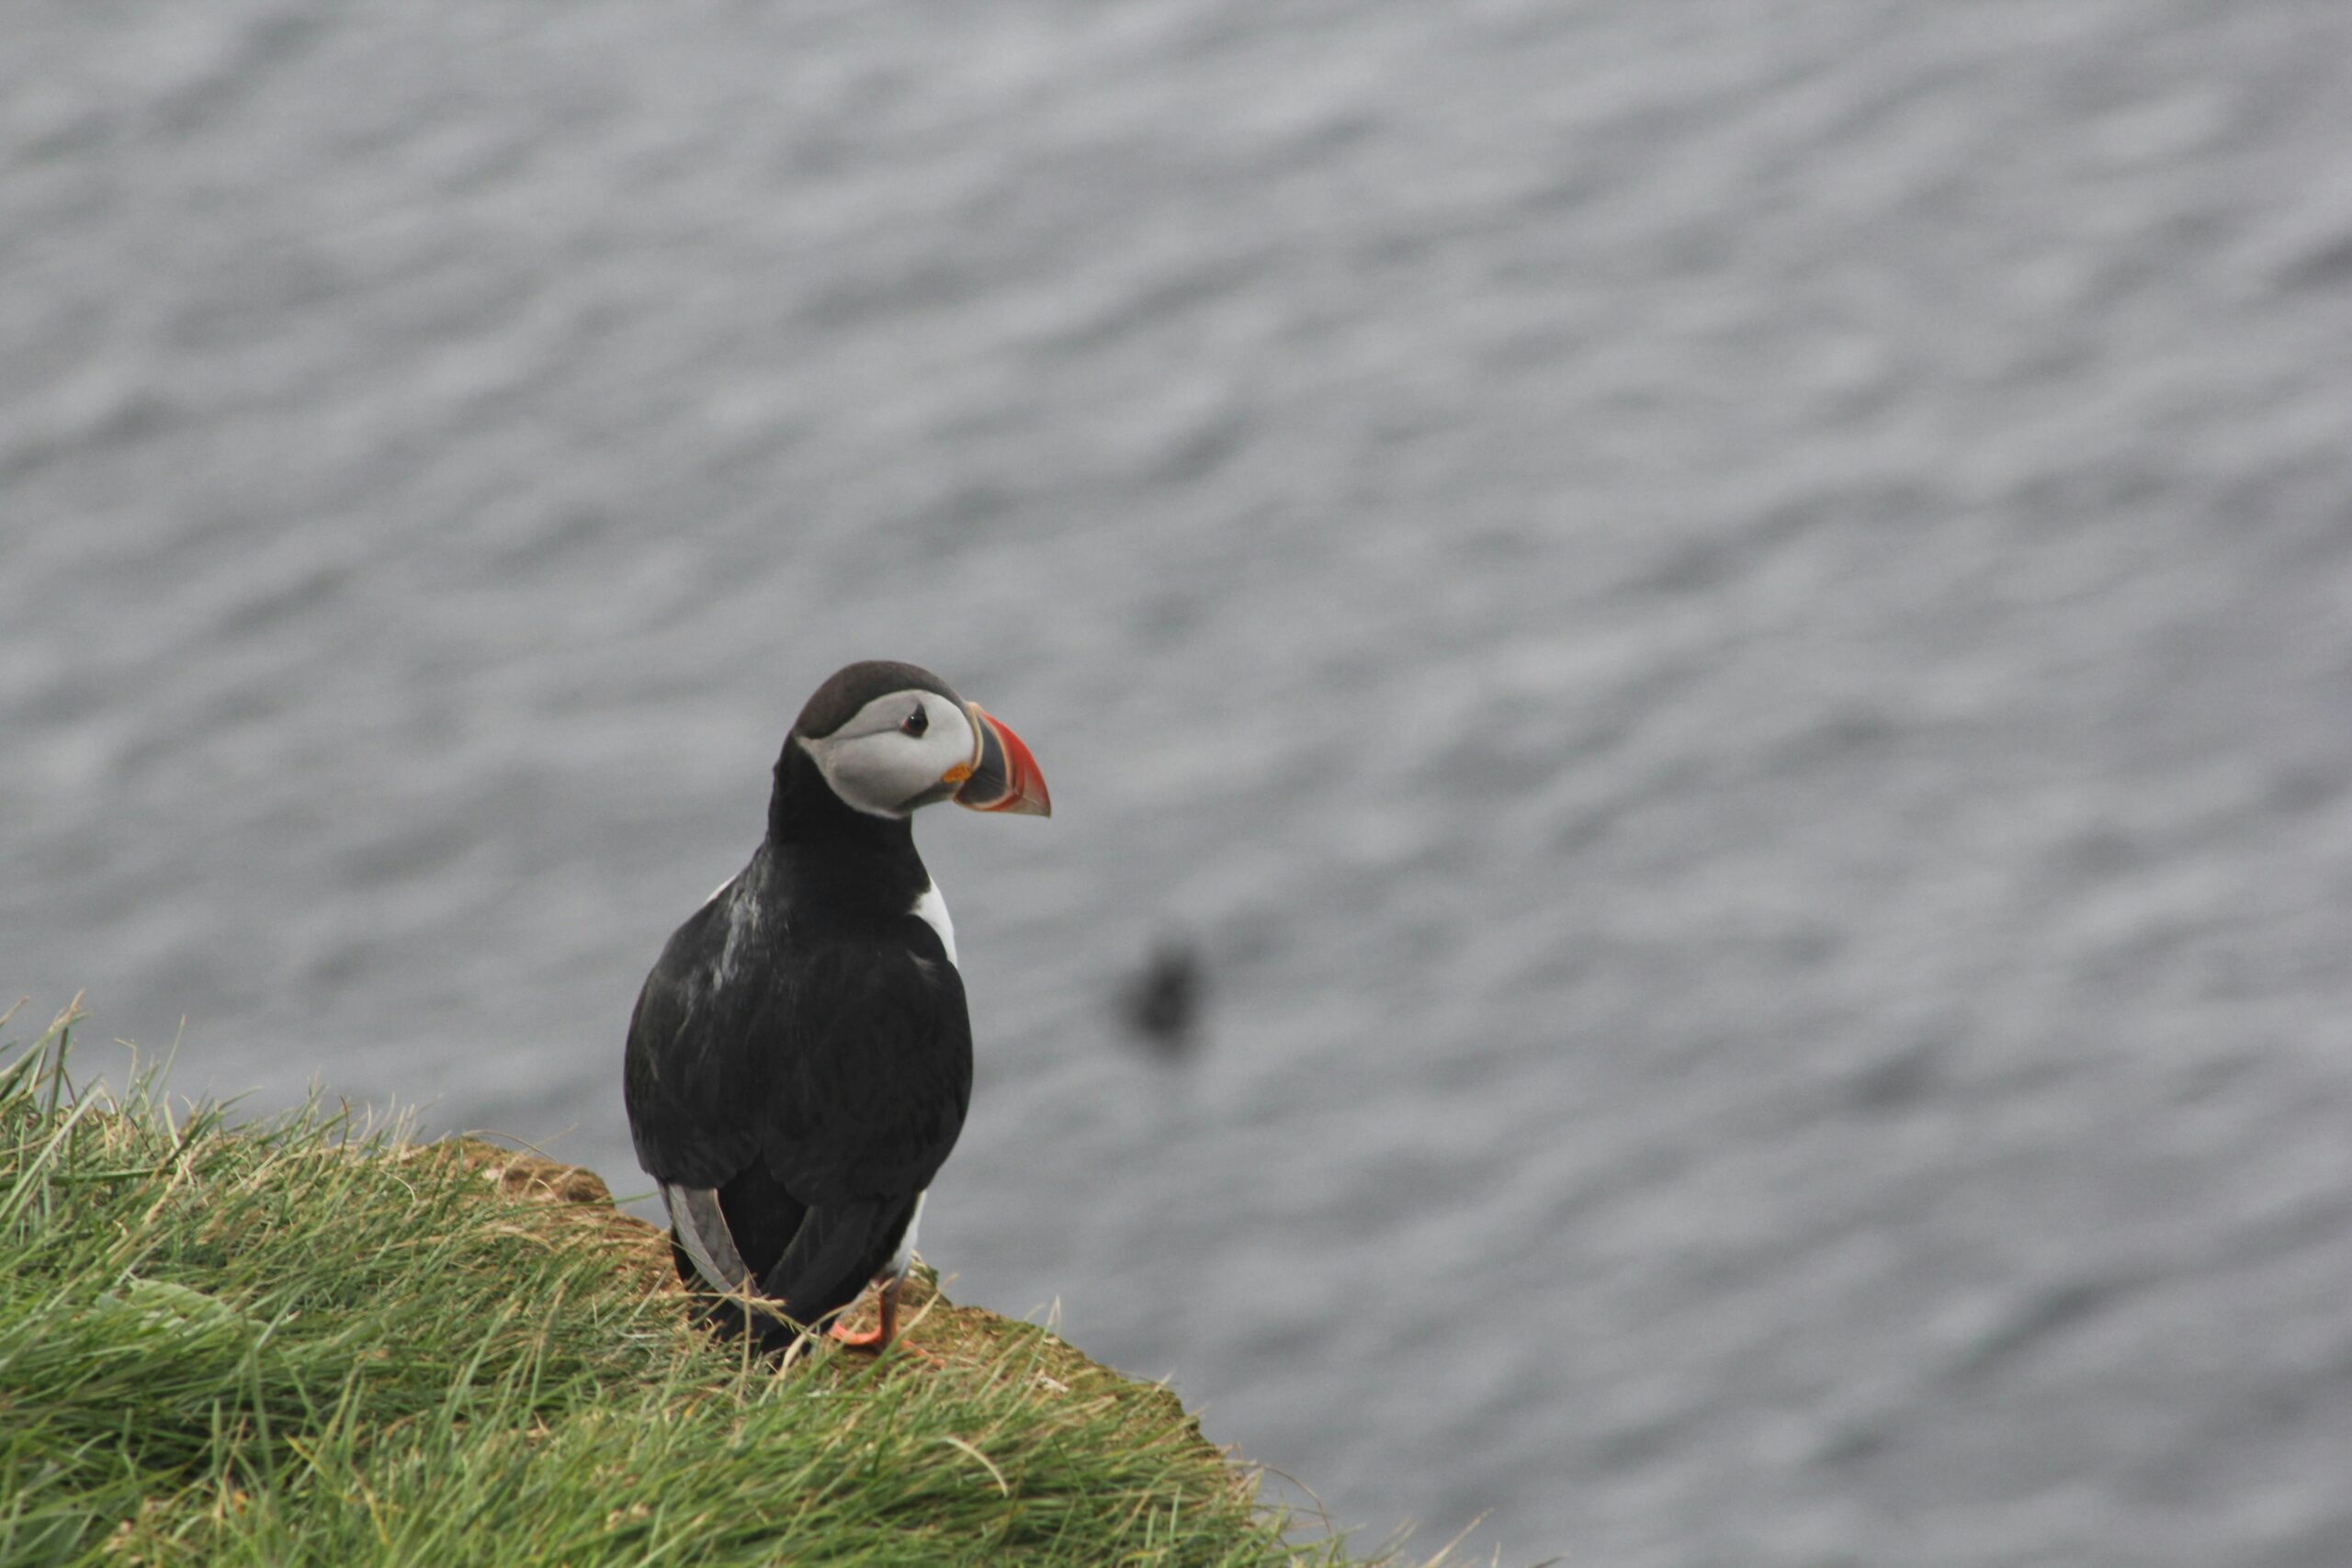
(916,722)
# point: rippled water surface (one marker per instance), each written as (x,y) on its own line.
(1729,626)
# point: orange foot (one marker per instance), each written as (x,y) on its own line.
(875,1341)
(878,1338)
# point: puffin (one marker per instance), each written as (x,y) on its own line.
(800,1060)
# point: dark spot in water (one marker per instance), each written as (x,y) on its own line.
(1162,1003)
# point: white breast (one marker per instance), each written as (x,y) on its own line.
(932,910)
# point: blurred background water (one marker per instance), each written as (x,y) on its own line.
(1728,627)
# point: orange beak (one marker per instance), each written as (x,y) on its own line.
(1004,776)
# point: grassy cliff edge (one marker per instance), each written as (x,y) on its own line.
(308,1342)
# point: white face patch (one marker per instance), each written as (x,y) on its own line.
(878,765)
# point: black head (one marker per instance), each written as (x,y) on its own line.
(850,688)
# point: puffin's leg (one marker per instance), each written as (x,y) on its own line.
(879,1338)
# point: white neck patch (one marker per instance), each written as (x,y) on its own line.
(932,911)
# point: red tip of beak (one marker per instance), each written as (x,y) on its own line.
(1005,777)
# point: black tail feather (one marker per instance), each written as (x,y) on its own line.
(834,1253)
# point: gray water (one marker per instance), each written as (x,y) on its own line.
(1728,626)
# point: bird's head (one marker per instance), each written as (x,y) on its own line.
(889,737)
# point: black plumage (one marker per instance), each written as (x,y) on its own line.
(801,1051)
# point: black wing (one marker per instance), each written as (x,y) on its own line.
(690,1074)
(817,1100)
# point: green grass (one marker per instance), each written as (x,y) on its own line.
(308,1343)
